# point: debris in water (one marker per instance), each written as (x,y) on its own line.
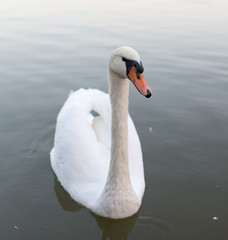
(16,227)
(150,129)
(215,218)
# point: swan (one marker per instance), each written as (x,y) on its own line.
(98,159)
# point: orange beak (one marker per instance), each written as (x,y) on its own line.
(139,82)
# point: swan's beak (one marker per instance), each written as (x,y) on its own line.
(139,82)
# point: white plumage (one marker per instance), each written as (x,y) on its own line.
(98,160)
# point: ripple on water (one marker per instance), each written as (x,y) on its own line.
(41,142)
(154,227)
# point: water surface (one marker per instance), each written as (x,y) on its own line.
(50,47)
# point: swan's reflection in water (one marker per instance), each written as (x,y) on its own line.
(116,229)
(135,227)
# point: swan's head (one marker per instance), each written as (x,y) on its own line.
(125,62)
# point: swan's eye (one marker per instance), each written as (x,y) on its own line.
(133,63)
(137,74)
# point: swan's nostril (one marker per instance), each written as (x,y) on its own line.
(149,93)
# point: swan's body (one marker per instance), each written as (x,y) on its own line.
(98,160)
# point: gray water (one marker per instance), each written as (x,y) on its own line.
(49,47)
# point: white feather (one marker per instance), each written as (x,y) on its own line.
(82,151)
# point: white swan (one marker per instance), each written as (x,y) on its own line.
(98,160)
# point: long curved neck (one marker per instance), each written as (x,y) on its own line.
(119,167)
(118,199)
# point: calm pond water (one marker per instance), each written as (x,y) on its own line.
(50,47)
